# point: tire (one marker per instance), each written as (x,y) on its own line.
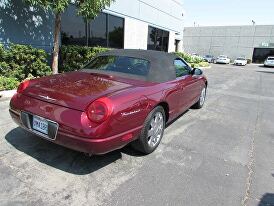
(200,103)
(147,143)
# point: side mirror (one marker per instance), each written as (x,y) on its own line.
(197,72)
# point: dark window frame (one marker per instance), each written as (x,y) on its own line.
(123,19)
(89,36)
(88,30)
(161,36)
(188,68)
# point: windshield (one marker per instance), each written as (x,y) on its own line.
(120,64)
(241,59)
(222,56)
(270,58)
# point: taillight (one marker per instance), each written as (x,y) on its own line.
(99,110)
(23,86)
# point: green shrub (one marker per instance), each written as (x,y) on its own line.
(249,61)
(8,83)
(190,58)
(20,61)
(201,64)
(75,57)
(2,52)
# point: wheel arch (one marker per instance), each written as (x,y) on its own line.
(166,108)
(206,83)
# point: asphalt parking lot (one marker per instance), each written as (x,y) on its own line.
(220,155)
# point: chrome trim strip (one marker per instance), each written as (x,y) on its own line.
(47,98)
(17,112)
(39,133)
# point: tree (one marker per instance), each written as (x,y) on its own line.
(89,9)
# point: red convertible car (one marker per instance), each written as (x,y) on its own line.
(120,97)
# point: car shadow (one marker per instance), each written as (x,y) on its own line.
(63,158)
(263,66)
(266,72)
(267,200)
(170,123)
(60,157)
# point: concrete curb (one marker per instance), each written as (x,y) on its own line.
(7,94)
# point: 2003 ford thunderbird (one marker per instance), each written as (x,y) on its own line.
(121,96)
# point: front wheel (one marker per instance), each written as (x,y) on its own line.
(152,131)
(201,101)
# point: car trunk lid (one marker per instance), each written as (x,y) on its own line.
(74,90)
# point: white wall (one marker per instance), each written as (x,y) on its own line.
(139,14)
(136,32)
(135,36)
(165,14)
(233,41)
(171,42)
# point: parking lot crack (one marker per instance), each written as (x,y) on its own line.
(251,162)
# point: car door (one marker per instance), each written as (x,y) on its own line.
(188,84)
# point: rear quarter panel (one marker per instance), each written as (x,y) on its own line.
(133,106)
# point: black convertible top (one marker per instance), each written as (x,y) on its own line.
(161,63)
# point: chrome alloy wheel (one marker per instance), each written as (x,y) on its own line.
(203,96)
(156,129)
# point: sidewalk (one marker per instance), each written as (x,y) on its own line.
(6,94)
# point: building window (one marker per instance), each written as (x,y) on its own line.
(157,39)
(73,28)
(105,30)
(177,42)
(115,32)
(97,31)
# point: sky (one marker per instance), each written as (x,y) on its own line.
(228,12)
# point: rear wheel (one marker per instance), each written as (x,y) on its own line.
(152,131)
(201,101)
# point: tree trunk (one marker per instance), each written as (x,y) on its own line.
(57,28)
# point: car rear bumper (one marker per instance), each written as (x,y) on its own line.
(268,65)
(81,144)
(239,64)
(222,62)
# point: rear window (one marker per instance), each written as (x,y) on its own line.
(270,58)
(121,64)
(240,58)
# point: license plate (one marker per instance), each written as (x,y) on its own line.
(40,125)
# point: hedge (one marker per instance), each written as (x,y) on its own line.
(8,83)
(194,61)
(75,57)
(19,62)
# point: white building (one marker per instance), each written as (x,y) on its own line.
(253,42)
(129,24)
